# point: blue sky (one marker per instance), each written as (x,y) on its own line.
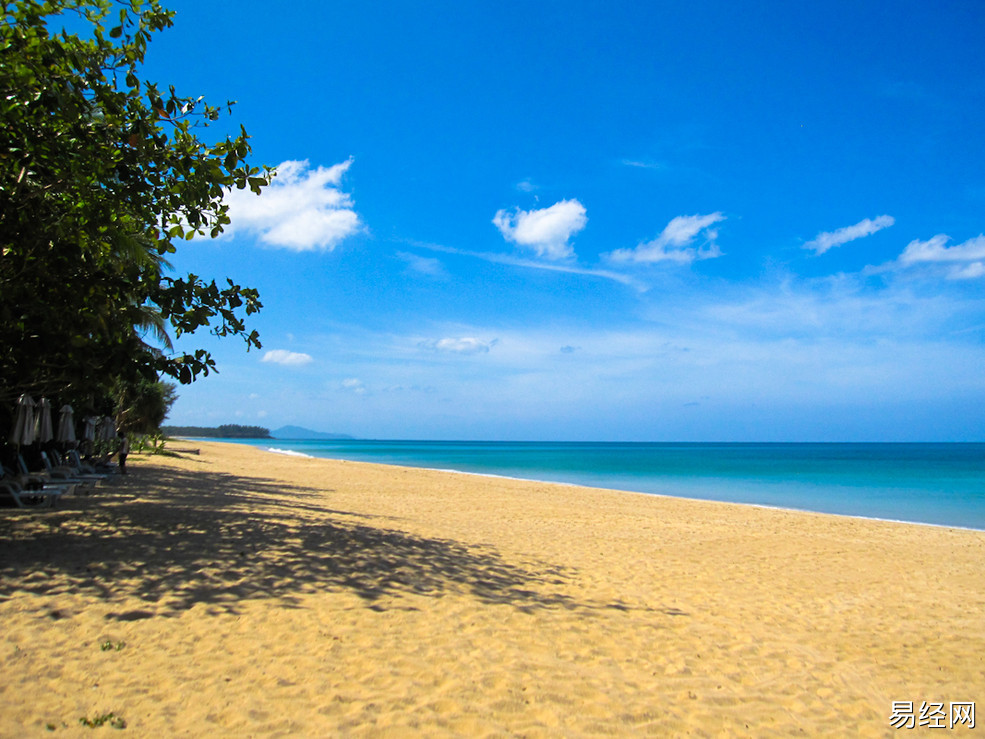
(599,221)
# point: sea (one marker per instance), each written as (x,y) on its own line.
(939,484)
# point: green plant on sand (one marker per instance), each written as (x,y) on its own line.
(117,722)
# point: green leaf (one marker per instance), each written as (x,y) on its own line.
(90,262)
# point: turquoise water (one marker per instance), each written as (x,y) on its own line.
(923,483)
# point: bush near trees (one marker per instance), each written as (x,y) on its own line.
(102,174)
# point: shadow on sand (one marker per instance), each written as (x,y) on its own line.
(248,538)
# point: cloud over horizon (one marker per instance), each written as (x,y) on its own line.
(866,227)
(677,242)
(354,385)
(463,345)
(546,231)
(303,209)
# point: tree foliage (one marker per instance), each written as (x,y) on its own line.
(102,173)
(226,431)
(142,406)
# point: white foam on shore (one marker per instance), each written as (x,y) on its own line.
(289,453)
(722,501)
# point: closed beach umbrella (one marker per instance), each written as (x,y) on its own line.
(89,428)
(66,425)
(44,431)
(89,433)
(23,431)
(107,429)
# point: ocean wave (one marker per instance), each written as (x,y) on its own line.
(289,452)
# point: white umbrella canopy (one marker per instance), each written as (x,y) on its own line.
(66,425)
(23,431)
(89,428)
(89,433)
(107,429)
(44,431)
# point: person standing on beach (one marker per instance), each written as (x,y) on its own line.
(123,451)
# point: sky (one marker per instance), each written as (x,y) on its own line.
(702,221)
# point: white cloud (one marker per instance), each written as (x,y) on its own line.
(934,258)
(642,164)
(354,385)
(423,265)
(935,250)
(782,358)
(676,243)
(969,272)
(564,268)
(464,345)
(286,358)
(302,209)
(866,227)
(547,230)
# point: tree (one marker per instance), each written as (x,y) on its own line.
(101,174)
(142,406)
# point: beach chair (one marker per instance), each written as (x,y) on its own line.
(73,458)
(101,466)
(11,491)
(63,474)
(74,466)
(26,478)
(35,480)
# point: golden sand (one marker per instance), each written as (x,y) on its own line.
(244,593)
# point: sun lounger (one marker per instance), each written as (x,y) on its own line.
(44,498)
(74,466)
(32,480)
(73,459)
(68,474)
(12,491)
(24,475)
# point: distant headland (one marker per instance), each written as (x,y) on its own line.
(236,431)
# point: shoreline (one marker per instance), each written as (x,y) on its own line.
(260,594)
(301,455)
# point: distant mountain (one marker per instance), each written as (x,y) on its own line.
(299,432)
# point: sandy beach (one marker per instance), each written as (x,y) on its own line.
(243,593)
